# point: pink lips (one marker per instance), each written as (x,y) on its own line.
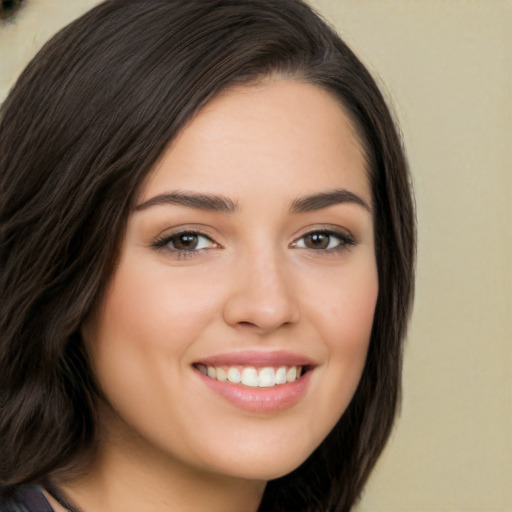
(258,358)
(259,400)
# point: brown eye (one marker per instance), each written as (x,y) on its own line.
(317,240)
(324,241)
(185,241)
(8,8)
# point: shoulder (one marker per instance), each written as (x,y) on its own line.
(25,499)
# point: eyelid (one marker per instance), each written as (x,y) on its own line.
(163,242)
(343,235)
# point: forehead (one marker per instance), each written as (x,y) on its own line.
(281,134)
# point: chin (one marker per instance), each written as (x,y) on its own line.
(263,466)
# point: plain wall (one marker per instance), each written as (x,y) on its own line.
(445,66)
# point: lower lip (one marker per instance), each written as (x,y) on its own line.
(260,400)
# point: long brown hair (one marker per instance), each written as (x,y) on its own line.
(79,132)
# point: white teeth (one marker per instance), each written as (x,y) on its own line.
(221,375)
(250,376)
(291,374)
(266,378)
(281,375)
(234,375)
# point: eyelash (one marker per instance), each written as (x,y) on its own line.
(345,241)
(164,243)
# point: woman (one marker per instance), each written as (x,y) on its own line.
(207,252)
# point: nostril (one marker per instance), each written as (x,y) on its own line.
(8,8)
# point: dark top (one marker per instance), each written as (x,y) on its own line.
(25,499)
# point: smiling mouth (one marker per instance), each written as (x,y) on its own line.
(251,376)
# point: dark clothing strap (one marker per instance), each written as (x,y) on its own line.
(27,498)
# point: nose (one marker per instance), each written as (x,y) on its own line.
(262,295)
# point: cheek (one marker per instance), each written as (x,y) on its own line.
(355,309)
(146,324)
(352,314)
(149,309)
(345,305)
(138,343)
(345,319)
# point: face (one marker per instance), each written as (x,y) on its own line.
(234,331)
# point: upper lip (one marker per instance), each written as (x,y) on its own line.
(258,358)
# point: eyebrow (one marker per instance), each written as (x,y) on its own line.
(208,202)
(219,203)
(323,200)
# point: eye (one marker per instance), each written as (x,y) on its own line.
(324,240)
(189,242)
(8,8)
(185,241)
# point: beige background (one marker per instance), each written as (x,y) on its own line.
(446,67)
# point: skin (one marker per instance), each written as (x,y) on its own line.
(254,282)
